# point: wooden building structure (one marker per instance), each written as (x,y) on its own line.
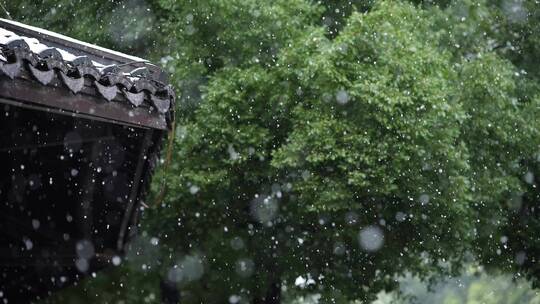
(80,132)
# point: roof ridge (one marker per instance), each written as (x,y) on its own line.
(139,86)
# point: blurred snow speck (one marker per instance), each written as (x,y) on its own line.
(35,224)
(371,238)
(529,178)
(190,268)
(237,243)
(193,189)
(233,299)
(74,172)
(233,155)
(82,265)
(342,97)
(520,258)
(424,199)
(116,260)
(85,249)
(132,24)
(400,216)
(28,244)
(245,267)
(264,208)
(515,10)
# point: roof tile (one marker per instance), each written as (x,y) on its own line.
(44,62)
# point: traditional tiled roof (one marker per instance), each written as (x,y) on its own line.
(116,82)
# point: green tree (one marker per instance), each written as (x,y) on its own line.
(505,30)
(347,160)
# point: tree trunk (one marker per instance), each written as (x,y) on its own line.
(273,294)
(169,292)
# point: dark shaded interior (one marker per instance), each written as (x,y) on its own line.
(65,183)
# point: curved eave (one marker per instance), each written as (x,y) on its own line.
(83,83)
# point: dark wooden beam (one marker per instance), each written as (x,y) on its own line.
(35,94)
(134,198)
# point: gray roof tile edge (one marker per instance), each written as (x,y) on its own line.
(44,63)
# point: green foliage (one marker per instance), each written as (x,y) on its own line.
(377,123)
(254,33)
(122,25)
